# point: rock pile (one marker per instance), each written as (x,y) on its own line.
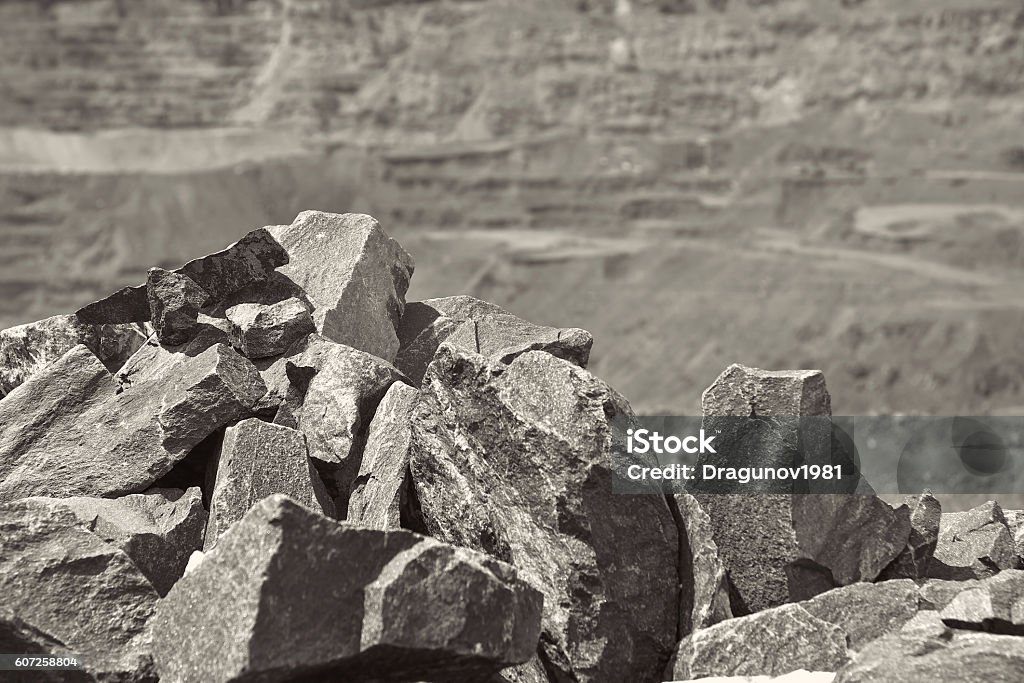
(266,466)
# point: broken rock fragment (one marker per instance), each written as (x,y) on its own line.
(261,331)
(353,274)
(914,559)
(345,603)
(157,529)
(973,544)
(479,327)
(61,580)
(769,643)
(866,611)
(174,302)
(381,485)
(27,349)
(700,552)
(73,430)
(258,459)
(995,605)
(515,460)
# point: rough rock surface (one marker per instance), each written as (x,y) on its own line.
(63,581)
(973,544)
(346,603)
(514,460)
(381,486)
(995,604)
(798,676)
(73,430)
(27,349)
(157,529)
(911,657)
(261,331)
(742,391)
(174,303)
(699,551)
(353,274)
(866,611)
(258,459)
(482,328)
(914,559)
(769,643)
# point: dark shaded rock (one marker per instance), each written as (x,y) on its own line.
(515,460)
(345,603)
(995,605)
(262,331)
(700,552)
(73,430)
(61,580)
(128,305)
(483,328)
(769,643)
(973,544)
(382,485)
(866,611)
(174,303)
(914,656)
(353,274)
(157,529)
(27,349)
(913,560)
(259,459)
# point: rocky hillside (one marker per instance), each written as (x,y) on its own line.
(267,465)
(789,183)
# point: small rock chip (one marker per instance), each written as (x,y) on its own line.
(770,643)
(866,611)
(27,349)
(61,580)
(174,303)
(914,656)
(381,486)
(483,328)
(288,594)
(353,274)
(261,331)
(73,430)
(157,529)
(913,560)
(258,459)
(973,544)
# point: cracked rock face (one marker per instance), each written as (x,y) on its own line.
(174,303)
(287,593)
(514,460)
(973,544)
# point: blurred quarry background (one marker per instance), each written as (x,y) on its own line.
(836,184)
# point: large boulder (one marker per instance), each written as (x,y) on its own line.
(288,594)
(479,327)
(157,529)
(973,544)
(515,460)
(73,430)
(59,579)
(27,349)
(769,643)
(381,487)
(353,275)
(258,459)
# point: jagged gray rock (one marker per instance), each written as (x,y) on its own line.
(480,327)
(515,460)
(866,611)
(914,656)
(798,676)
(770,643)
(350,604)
(913,560)
(174,303)
(353,274)
(973,544)
(700,552)
(262,331)
(61,580)
(381,485)
(995,604)
(157,529)
(73,430)
(258,459)
(742,391)
(27,349)
(937,593)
